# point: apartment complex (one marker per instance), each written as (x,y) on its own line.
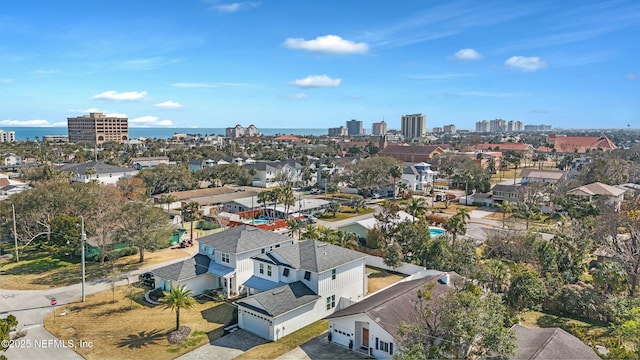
(482,126)
(413,126)
(338,131)
(514,126)
(7,136)
(97,128)
(497,126)
(379,128)
(450,129)
(355,128)
(240,131)
(537,128)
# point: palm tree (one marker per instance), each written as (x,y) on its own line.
(288,198)
(310,232)
(275,195)
(417,207)
(457,224)
(506,208)
(328,235)
(334,207)
(395,172)
(168,199)
(333,189)
(295,225)
(527,212)
(178,298)
(347,239)
(191,212)
(263,197)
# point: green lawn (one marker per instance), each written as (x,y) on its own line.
(344,213)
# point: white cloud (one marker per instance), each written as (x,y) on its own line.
(525,63)
(47,72)
(467,54)
(233,7)
(124,96)
(28,123)
(169,104)
(298,96)
(6,81)
(632,76)
(329,44)
(149,121)
(315,81)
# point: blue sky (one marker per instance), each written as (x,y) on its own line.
(318,64)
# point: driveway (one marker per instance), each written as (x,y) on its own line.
(226,347)
(320,348)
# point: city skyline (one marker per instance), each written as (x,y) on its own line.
(286,64)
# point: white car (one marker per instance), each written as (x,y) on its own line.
(315,191)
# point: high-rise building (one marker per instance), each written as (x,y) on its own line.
(515,126)
(497,126)
(338,131)
(451,129)
(437,130)
(7,136)
(354,127)
(482,126)
(97,128)
(240,131)
(413,126)
(379,128)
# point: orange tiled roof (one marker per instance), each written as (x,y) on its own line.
(581,144)
(505,146)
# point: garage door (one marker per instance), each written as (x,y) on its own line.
(256,323)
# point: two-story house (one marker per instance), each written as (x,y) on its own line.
(98,171)
(509,193)
(418,177)
(293,286)
(272,173)
(223,261)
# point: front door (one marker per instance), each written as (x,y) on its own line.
(365,338)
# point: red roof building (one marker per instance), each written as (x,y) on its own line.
(582,144)
(504,147)
(411,153)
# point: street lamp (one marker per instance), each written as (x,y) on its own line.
(83,238)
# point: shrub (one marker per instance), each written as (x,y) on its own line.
(207,225)
(118,253)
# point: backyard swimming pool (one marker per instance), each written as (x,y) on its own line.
(255,221)
(435,231)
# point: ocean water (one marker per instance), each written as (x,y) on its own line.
(30,133)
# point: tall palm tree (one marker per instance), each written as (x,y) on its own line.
(178,298)
(168,199)
(310,232)
(527,213)
(395,172)
(506,208)
(328,235)
(191,212)
(275,195)
(295,225)
(417,207)
(457,224)
(263,197)
(347,239)
(288,198)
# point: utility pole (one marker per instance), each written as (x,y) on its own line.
(83,238)
(15,233)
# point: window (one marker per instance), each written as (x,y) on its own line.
(261,268)
(333,274)
(384,346)
(210,251)
(331,302)
(307,275)
(224,257)
(285,272)
(268,270)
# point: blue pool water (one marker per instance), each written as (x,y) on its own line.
(435,232)
(255,221)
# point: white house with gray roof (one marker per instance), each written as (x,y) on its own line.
(97,171)
(223,261)
(293,286)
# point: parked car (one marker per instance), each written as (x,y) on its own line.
(375,196)
(316,191)
(451,196)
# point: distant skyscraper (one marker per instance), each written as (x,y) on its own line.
(451,129)
(413,126)
(514,126)
(240,131)
(354,127)
(7,136)
(482,126)
(338,131)
(379,128)
(437,130)
(497,126)
(97,128)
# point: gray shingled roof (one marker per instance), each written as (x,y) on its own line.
(550,343)
(506,188)
(185,269)
(315,256)
(282,299)
(391,307)
(101,168)
(243,238)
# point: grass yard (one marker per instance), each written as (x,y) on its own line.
(274,349)
(453,207)
(344,213)
(44,272)
(120,332)
(379,278)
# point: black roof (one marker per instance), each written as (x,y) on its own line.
(280,300)
(243,238)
